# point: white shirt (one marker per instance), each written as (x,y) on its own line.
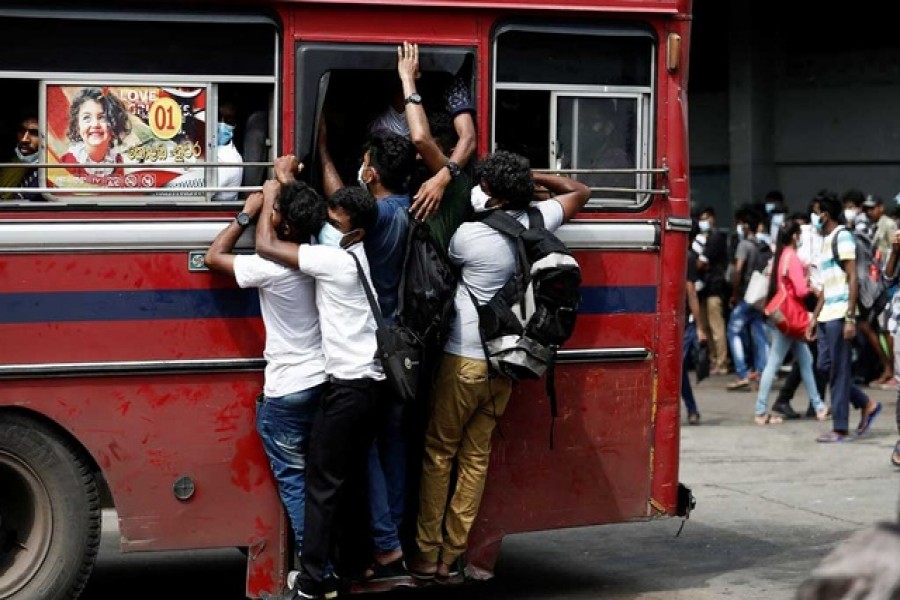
(488,260)
(229,176)
(345,318)
(293,353)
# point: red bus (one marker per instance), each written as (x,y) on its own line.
(129,371)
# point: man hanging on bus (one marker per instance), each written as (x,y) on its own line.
(295,365)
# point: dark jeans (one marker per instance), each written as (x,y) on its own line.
(835,356)
(792,381)
(341,437)
(284,426)
(690,340)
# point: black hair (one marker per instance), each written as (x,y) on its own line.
(775,196)
(359,205)
(442,130)
(829,204)
(708,210)
(853,196)
(392,155)
(786,234)
(301,208)
(508,177)
(749,215)
(762,215)
(800,216)
(113,109)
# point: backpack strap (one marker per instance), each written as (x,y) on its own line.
(535,218)
(373,304)
(500,220)
(834,247)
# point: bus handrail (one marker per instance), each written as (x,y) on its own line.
(182,165)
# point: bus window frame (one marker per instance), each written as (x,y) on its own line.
(316,60)
(646,134)
(100,200)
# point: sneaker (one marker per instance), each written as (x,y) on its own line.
(895,455)
(292,579)
(694,418)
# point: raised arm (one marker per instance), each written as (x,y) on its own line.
(267,243)
(219,257)
(331,180)
(571,194)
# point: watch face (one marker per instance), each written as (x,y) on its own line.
(243,219)
(414,98)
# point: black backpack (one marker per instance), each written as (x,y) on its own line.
(427,288)
(534,313)
(872,296)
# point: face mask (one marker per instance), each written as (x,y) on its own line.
(850,215)
(764,238)
(816,221)
(330,235)
(740,232)
(770,207)
(359,177)
(224,134)
(27,158)
(704,225)
(479,199)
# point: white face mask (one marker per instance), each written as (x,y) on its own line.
(816,221)
(850,215)
(479,199)
(330,235)
(704,225)
(27,158)
(359,177)
(740,231)
(777,220)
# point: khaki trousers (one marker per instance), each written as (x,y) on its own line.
(465,406)
(712,313)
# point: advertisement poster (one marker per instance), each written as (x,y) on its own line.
(123,136)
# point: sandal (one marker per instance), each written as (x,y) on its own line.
(768,419)
(420,569)
(694,419)
(833,437)
(387,572)
(866,421)
(740,385)
(895,455)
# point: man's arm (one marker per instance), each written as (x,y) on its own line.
(331,180)
(571,194)
(694,306)
(464,124)
(811,328)
(219,257)
(853,285)
(267,243)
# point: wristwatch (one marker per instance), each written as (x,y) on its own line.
(453,168)
(243,219)
(414,98)
(850,319)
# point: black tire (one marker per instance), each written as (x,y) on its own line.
(49,514)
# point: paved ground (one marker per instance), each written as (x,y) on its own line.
(771,502)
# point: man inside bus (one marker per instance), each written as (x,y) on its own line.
(467,400)
(28,142)
(456,101)
(295,365)
(345,425)
(387,165)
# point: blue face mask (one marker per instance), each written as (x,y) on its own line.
(816,221)
(224,134)
(330,235)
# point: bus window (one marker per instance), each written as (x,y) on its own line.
(578,101)
(136,122)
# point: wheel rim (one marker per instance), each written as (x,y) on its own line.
(26,524)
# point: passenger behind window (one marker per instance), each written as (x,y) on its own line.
(256,147)
(226,151)
(98,124)
(28,142)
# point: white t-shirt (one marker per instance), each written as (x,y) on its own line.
(293,353)
(229,176)
(345,318)
(487,258)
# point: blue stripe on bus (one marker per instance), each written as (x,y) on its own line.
(56,307)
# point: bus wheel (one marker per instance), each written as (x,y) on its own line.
(49,514)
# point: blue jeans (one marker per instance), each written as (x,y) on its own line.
(284,425)
(780,346)
(744,316)
(835,358)
(687,394)
(387,480)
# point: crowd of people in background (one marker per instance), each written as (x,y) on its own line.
(812,254)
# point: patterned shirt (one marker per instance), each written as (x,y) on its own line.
(832,277)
